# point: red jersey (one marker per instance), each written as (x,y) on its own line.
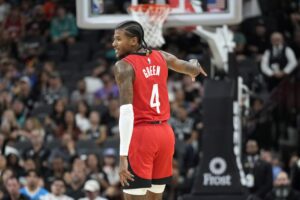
(150,92)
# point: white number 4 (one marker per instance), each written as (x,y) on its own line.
(154,101)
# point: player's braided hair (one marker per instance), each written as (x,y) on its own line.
(134,29)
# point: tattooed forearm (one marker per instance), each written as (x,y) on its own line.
(181,66)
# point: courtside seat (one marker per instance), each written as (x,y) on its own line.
(111,143)
(71,66)
(86,146)
(55,52)
(78,52)
(53,144)
(89,36)
(248,70)
(22,146)
(41,111)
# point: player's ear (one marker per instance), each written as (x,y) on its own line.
(133,41)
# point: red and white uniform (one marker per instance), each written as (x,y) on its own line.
(152,144)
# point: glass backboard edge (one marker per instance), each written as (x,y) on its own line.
(85,21)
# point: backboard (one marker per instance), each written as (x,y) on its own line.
(94,14)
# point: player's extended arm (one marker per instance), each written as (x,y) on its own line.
(124,76)
(191,68)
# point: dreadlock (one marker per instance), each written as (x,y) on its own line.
(134,29)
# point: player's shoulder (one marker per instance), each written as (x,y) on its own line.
(122,67)
(122,64)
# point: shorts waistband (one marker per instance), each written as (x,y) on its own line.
(152,122)
(155,122)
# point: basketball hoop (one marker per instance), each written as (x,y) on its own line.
(151,17)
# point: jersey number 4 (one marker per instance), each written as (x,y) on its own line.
(154,101)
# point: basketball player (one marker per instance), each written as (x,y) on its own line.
(146,139)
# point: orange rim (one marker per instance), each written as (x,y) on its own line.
(145,7)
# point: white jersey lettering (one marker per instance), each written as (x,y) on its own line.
(151,71)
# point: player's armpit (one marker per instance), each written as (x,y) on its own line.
(124,75)
(189,68)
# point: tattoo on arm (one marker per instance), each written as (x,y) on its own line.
(124,76)
(181,66)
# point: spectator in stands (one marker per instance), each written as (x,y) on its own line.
(26,10)
(3,163)
(29,164)
(240,41)
(6,174)
(49,9)
(67,149)
(39,20)
(58,114)
(192,91)
(40,87)
(23,92)
(259,123)
(109,90)
(295,173)
(179,100)
(69,126)
(94,170)
(92,190)
(13,189)
(295,45)
(294,19)
(14,24)
(32,45)
(258,41)
(81,94)
(49,67)
(56,89)
(182,124)
(30,70)
(9,123)
(33,189)
(93,82)
(81,117)
(38,151)
(20,111)
(13,162)
(6,44)
(273,159)
(282,189)
(110,118)
(55,170)
(110,169)
(258,172)
(76,183)
(9,73)
(5,100)
(191,154)
(63,27)
(97,130)
(32,124)
(4,10)
(58,189)
(278,61)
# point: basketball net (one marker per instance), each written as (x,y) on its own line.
(151,17)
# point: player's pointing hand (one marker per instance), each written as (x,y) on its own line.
(201,70)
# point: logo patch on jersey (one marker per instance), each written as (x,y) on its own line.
(149,61)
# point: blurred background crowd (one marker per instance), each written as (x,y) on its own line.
(59,102)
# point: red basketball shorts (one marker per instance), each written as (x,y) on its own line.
(150,155)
